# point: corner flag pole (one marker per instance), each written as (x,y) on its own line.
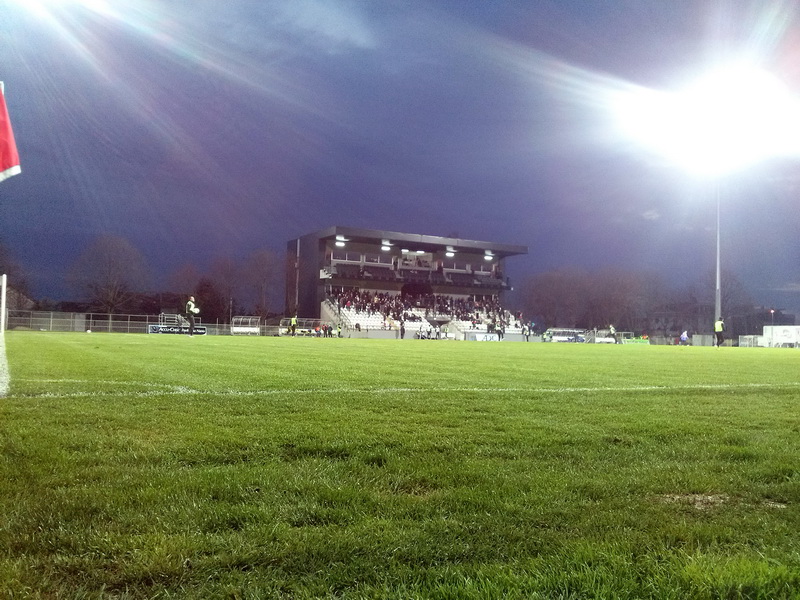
(9,157)
(4,376)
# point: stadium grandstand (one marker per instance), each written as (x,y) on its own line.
(370,280)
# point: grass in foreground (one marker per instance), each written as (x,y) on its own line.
(141,466)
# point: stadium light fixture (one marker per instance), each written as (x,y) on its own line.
(732,118)
(728,120)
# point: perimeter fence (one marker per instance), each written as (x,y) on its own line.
(105,322)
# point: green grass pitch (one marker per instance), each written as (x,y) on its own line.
(138,466)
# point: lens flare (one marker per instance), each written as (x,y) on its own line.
(732,118)
(48,8)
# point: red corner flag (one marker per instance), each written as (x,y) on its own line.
(9,157)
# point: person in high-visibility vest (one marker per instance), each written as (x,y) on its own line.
(293,325)
(191,311)
(719,329)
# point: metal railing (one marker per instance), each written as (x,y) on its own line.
(64,321)
(111,323)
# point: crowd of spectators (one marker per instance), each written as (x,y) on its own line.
(399,307)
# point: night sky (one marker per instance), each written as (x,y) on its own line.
(199,129)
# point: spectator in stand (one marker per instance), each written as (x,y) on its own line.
(403,307)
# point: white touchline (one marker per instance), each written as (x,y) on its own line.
(171,390)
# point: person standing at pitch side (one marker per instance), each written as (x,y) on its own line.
(191,311)
(719,331)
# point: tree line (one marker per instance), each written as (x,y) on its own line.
(636,301)
(111,276)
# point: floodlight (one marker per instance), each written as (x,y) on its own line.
(732,118)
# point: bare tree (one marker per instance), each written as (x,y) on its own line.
(16,275)
(575,298)
(226,275)
(557,298)
(184,279)
(621,298)
(234,285)
(734,295)
(263,279)
(212,303)
(737,303)
(109,273)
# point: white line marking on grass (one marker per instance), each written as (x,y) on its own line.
(105,382)
(179,390)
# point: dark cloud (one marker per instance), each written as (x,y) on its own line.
(202,129)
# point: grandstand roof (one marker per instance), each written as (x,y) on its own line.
(428,243)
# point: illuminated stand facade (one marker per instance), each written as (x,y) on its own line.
(391,262)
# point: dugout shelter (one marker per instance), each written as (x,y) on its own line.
(391,262)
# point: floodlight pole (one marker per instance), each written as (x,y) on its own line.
(718,292)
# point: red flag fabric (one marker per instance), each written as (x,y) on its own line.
(9,157)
